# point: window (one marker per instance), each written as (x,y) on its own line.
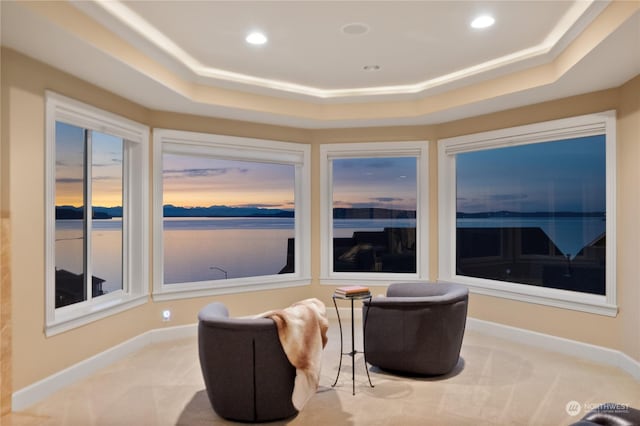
(231,214)
(374,212)
(96,192)
(98,234)
(528,213)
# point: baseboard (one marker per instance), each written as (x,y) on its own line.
(173,333)
(37,391)
(548,342)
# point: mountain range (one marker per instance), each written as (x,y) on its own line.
(71,212)
(169,210)
(224,211)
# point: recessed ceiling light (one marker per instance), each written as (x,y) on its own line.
(355,28)
(256,38)
(483,21)
(371,67)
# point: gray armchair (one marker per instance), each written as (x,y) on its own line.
(246,372)
(417,329)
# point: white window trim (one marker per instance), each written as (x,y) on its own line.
(135,201)
(329,152)
(586,125)
(241,149)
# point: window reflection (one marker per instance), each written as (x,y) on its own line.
(534,214)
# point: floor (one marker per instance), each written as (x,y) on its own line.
(497,382)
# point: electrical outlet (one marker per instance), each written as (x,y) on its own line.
(166,315)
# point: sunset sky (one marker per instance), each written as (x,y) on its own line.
(106,167)
(567,175)
(375,182)
(200,181)
(190,181)
(556,176)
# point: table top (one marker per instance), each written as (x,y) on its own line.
(359,296)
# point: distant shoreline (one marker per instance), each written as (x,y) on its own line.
(170,211)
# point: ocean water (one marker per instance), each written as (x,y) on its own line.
(106,252)
(199,249)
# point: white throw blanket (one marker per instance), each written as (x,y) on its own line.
(302,328)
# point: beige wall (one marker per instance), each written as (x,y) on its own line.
(23,85)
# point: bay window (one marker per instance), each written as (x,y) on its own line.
(231,214)
(529,212)
(374,212)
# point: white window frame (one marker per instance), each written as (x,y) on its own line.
(135,233)
(330,152)
(580,126)
(239,149)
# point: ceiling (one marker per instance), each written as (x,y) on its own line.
(429,65)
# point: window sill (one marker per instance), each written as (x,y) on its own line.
(76,316)
(191,290)
(591,303)
(377,280)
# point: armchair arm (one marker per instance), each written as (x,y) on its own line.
(397,301)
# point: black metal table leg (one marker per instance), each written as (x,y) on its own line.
(340,327)
(353,352)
